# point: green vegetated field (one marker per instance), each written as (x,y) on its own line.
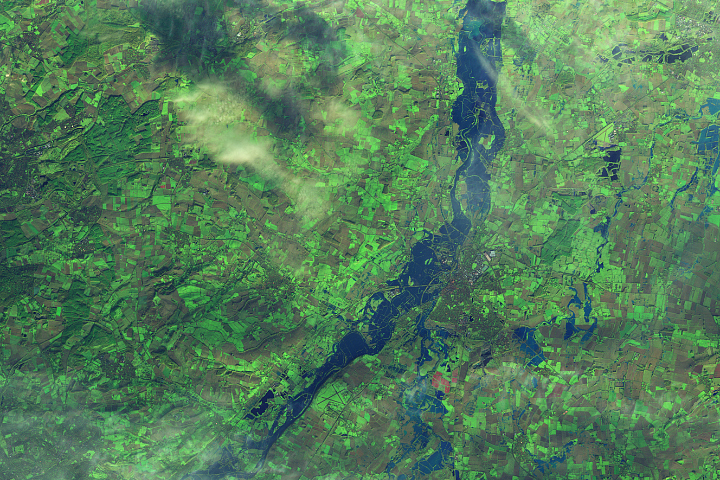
(197,200)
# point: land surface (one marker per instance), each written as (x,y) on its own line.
(198,201)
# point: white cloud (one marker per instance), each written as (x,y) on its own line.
(225,125)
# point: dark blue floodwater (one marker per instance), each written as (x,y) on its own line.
(707,143)
(474,112)
(528,344)
(570,328)
(612,160)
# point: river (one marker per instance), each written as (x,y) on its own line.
(478,57)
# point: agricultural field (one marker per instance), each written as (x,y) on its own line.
(336,239)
